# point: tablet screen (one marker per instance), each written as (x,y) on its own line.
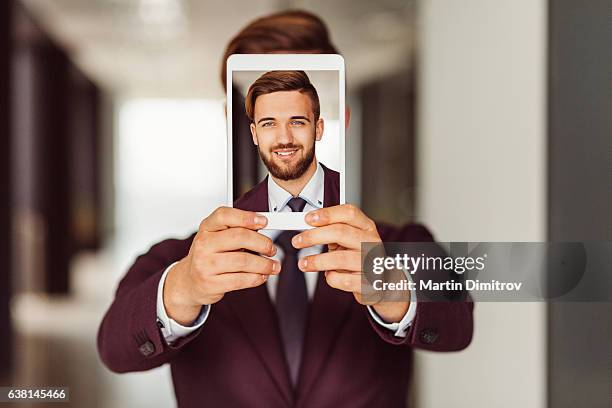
(294,110)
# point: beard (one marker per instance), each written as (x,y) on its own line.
(285,172)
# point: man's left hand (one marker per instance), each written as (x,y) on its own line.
(343,228)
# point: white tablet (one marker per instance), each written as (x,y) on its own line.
(295,107)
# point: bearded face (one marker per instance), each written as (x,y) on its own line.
(285,132)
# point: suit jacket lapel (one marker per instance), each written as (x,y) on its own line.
(328,313)
(256,313)
(257,316)
(255,199)
(331,195)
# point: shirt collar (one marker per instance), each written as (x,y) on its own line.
(312,192)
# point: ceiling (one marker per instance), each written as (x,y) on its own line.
(173,48)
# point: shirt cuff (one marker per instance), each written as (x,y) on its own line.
(399,329)
(170,329)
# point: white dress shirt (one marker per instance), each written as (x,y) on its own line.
(278,198)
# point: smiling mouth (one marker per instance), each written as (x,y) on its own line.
(285,153)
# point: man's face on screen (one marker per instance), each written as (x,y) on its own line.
(285,132)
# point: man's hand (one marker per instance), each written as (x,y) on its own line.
(217,263)
(343,228)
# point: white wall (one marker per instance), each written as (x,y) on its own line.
(167,170)
(481,166)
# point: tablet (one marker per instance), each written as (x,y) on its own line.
(294,131)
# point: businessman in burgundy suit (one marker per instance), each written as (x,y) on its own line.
(244,318)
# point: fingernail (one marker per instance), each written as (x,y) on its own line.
(264,277)
(297,240)
(273,251)
(259,219)
(303,263)
(276,267)
(312,217)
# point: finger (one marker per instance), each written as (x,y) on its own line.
(233,239)
(342,234)
(346,214)
(348,282)
(327,261)
(227,217)
(230,262)
(229,282)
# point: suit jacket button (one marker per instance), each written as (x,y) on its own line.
(429,336)
(146,349)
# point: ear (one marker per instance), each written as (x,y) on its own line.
(319,129)
(253,133)
(347,117)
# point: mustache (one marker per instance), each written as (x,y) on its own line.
(286,146)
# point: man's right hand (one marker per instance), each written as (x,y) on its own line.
(217,263)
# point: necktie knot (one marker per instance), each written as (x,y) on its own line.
(284,239)
(297,204)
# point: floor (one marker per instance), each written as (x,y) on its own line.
(56,344)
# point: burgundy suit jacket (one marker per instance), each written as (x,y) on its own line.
(236,358)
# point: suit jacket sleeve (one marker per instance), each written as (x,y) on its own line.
(129,338)
(437,326)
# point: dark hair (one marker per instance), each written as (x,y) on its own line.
(288,31)
(277,81)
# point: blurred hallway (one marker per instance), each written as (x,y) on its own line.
(118,123)
(56,334)
(484,121)
(56,337)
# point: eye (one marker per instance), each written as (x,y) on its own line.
(297,122)
(267,124)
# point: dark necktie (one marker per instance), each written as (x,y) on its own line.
(291,298)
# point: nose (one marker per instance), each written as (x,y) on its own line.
(285,135)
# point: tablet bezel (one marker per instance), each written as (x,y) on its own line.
(285,62)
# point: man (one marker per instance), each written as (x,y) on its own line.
(247,322)
(284,110)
